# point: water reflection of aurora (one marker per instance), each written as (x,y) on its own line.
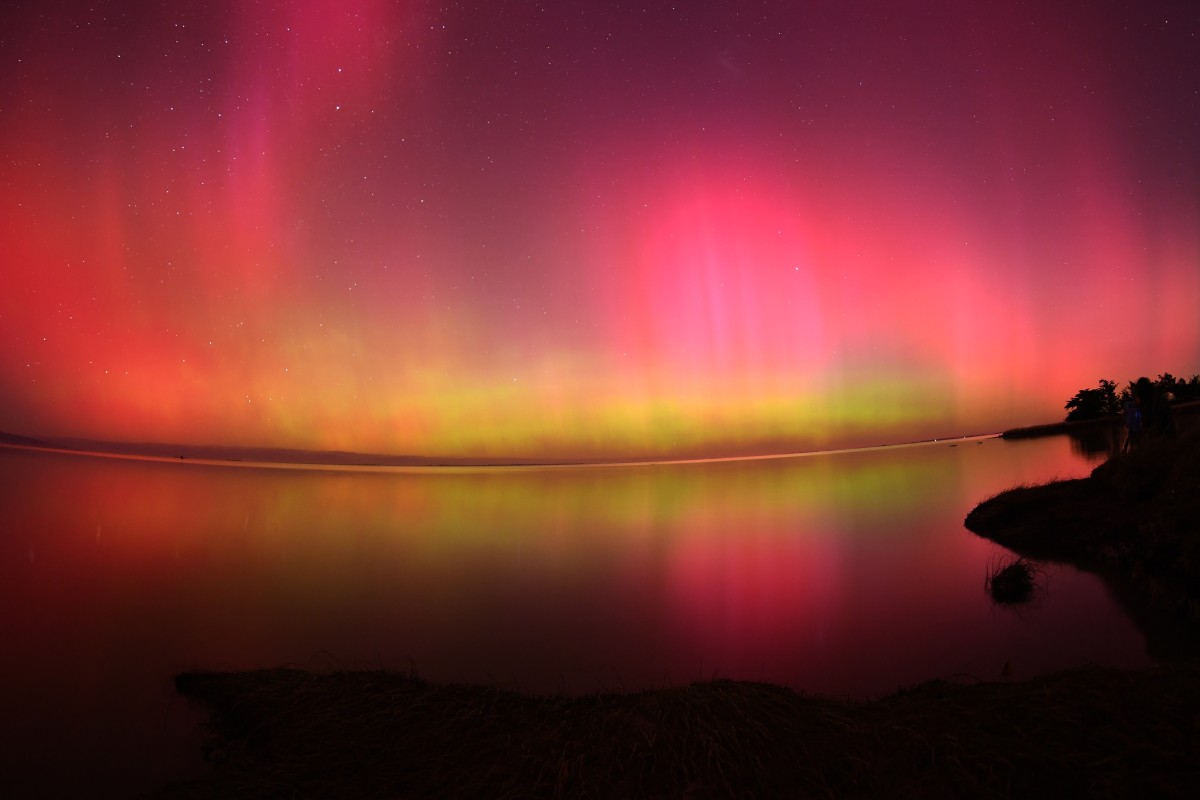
(845,574)
(585,559)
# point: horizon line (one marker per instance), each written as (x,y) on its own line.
(103,449)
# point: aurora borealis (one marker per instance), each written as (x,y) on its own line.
(591,229)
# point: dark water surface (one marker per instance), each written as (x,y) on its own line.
(845,573)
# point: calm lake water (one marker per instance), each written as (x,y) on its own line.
(846,573)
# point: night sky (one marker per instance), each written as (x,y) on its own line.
(589,229)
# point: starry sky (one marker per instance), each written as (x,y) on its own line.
(589,229)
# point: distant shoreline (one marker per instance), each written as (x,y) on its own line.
(286,458)
(338,460)
(1055,428)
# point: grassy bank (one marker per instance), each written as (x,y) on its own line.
(1137,518)
(1093,732)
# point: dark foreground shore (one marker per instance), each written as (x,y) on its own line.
(1089,732)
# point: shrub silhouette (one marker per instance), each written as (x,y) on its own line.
(1105,401)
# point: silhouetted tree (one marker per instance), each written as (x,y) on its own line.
(1106,401)
(1094,403)
(1186,391)
(1126,395)
(1193,387)
(1111,402)
(1166,385)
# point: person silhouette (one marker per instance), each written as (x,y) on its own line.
(1154,409)
(1133,424)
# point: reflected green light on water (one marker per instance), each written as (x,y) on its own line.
(841,573)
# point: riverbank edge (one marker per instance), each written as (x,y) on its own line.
(1136,518)
(1092,731)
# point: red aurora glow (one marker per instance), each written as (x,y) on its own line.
(578,231)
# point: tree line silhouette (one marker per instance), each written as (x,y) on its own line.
(1106,401)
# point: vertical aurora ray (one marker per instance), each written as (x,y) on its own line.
(392,227)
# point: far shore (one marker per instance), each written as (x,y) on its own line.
(1055,428)
(282,458)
